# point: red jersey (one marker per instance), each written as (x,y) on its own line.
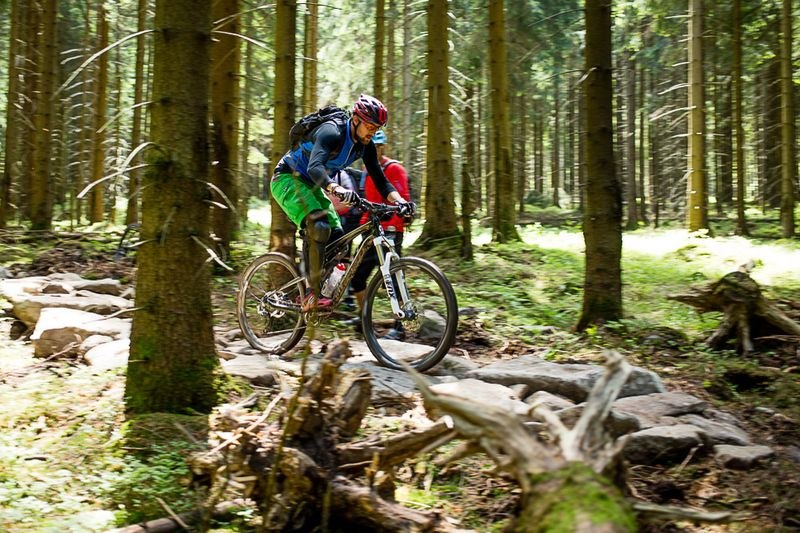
(397,176)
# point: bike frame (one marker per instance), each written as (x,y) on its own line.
(384,248)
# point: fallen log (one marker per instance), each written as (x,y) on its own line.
(747,314)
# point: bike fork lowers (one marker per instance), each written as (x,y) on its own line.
(392,288)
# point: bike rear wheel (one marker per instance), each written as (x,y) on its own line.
(424,336)
(268,304)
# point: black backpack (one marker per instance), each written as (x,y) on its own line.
(302,129)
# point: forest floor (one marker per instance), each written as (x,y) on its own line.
(66,465)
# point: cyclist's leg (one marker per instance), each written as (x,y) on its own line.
(318,231)
(308,207)
(361,276)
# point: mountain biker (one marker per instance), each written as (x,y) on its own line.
(394,227)
(302,174)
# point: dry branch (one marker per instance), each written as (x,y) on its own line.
(391,450)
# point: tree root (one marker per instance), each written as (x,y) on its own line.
(746,312)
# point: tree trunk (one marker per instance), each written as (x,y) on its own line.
(581,95)
(378,70)
(310,49)
(390,76)
(439,188)
(32,93)
(503,226)
(41,201)
(249,182)
(697,202)
(12,142)
(405,112)
(642,145)
(555,143)
(520,155)
(788,139)
(173,360)
(771,134)
(538,173)
(483,166)
(602,220)
(96,195)
(738,121)
(225,121)
(653,140)
(569,145)
(574,499)
(467,173)
(135,175)
(282,231)
(630,142)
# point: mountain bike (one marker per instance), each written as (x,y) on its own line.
(407,293)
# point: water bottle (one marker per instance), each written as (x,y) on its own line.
(333,280)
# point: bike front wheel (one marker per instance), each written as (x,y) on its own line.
(427,329)
(268,304)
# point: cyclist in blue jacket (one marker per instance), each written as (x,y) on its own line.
(302,174)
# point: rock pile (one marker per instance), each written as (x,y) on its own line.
(68,315)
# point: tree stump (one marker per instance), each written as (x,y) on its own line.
(296,463)
(747,314)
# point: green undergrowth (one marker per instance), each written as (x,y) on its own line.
(155,478)
(69,460)
(539,281)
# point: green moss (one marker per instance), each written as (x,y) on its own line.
(229,387)
(570,495)
(144,481)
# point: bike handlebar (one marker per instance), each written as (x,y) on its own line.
(382,209)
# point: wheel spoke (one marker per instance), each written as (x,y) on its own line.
(269,319)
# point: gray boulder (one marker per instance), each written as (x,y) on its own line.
(573,381)
(109,355)
(57,328)
(662,444)
(485,393)
(741,457)
(651,409)
(28,309)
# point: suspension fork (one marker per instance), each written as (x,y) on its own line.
(385,263)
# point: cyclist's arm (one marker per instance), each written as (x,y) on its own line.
(375,171)
(326,140)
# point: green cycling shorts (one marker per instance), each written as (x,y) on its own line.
(298,199)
